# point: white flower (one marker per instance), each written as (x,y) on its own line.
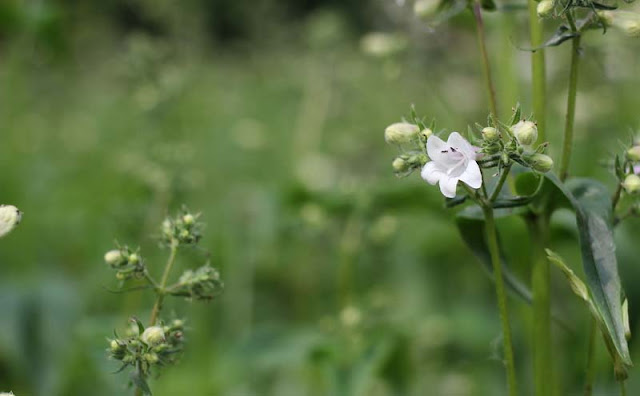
(451,162)
(10,217)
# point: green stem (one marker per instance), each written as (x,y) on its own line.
(590,371)
(492,241)
(567,143)
(616,196)
(503,178)
(538,73)
(491,91)
(540,283)
(163,283)
(623,388)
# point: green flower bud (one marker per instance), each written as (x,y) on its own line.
(188,219)
(151,358)
(634,153)
(383,45)
(153,335)
(631,184)
(113,257)
(526,132)
(425,8)
(117,349)
(425,133)
(626,21)
(400,165)
(540,162)
(545,8)
(490,134)
(10,217)
(177,324)
(134,258)
(401,132)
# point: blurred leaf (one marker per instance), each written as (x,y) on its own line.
(368,366)
(140,382)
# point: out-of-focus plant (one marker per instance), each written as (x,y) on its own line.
(512,149)
(145,349)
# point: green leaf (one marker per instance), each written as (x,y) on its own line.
(139,324)
(594,217)
(140,382)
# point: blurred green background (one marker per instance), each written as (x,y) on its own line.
(267,116)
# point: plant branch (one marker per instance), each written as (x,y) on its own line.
(491,91)
(567,143)
(538,72)
(503,178)
(163,283)
(590,370)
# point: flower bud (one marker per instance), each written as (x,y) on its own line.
(401,132)
(6,394)
(626,21)
(634,153)
(188,219)
(540,162)
(117,349)
(134,258)
(400,165)
(10,217)
(490,134)
(425,8)
(177,324)
(382,45)
(545,8)
(113,257)
(153,335)
(425,133)
(526,132)
(631,184)
(151,358)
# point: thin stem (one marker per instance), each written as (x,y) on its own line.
(492,241)
(567,143)
(503,178)
(163,283)
(590,370)
(616,197)
(623,388)
(540,283)
(538,72)
(491,91)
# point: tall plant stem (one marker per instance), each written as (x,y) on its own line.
(538,72)
(486,68)
(492,242)
(590,370)
(567,143)
(540,283)
(163,284)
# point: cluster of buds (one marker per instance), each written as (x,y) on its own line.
(628,170)
(504,144)
(183,229)
(146,348)
(127,263)
(202,284)
(411,138)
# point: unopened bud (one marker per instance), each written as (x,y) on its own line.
(626,21)
(631,184)
(634,153)
(177,324)
(401,132)
(134,258)
(545,8)
(188,219)
(540,162)
(425,8)
(425,133)
(152,335)
(10,217)
(113,257)
(151,358)
(490,134)
(400,165)
(526,132)
(383,45)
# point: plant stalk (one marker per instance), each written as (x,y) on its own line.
(492,242)
(567,143)
(590,370)
(540,283)
(486,68)
(538,70)
(163,284)
(503,178)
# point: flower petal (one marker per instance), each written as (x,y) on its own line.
(448,186)
(435,146)
(472,176)
(431,173)
(456,140)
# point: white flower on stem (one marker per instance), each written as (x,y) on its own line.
(451,161)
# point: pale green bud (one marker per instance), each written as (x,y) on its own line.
(526,132)
(626,21)
(134,258)
(153,335)
(382,45)
(177,324)
(490,134)
(631,184)
(425,133)
(425,8)
(634,153)
(540,162)
(188,219)
(113,257)
(400,165)
(151,358)
(10,217)
(401,132)
(545,8)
